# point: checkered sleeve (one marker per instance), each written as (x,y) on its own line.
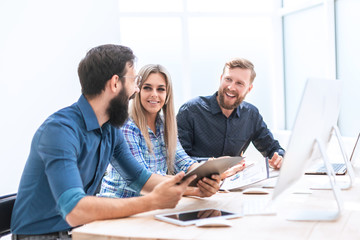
(113,185)
(182,160)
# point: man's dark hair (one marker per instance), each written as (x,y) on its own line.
(100,64)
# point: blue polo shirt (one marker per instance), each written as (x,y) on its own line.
(204,131)
(68,157)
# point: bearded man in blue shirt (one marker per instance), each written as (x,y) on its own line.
(224,124)
(72,148)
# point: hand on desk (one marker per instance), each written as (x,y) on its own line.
(276,161)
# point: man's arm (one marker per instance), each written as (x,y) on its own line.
(164,195)
(206,187)
(266,144)
(185,129)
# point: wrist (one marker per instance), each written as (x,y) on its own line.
(191,191)
(150,202)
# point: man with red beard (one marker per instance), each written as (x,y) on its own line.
(224,124)
(72,148)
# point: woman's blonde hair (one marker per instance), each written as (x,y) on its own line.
(137,113)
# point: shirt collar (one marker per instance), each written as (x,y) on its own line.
(88,113)
(215,108)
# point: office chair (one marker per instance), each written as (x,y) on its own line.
(6,207)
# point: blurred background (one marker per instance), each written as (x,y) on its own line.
(289,41)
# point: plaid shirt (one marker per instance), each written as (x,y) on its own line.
(113,185)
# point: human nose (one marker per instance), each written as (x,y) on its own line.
(154,93)
(231,86)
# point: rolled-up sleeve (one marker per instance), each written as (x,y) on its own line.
(60,162)
(69,199)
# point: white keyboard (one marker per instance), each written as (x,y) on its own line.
(336,167)
(258,206)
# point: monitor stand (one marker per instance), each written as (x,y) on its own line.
(349,168)
(318,215)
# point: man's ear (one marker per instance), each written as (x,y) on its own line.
(115,84)
(250,87)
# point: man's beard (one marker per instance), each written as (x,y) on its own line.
(118,109)
(222,103)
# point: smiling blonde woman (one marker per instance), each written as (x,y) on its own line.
(151,132)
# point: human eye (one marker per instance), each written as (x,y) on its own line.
(147,88)
(228,80)
(161,89)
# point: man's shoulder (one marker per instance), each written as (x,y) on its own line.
(199,102)
(70,116)
(60,128)
(67,115)
(63,123)
(246,106)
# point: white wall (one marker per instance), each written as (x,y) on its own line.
(318,43)
(194,38)
(41,44)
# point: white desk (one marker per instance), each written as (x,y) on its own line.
(144,226)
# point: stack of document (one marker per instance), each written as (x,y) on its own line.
(255,172)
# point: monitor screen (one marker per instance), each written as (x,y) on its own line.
(317,114)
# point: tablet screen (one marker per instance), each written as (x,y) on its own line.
(191,217)
(199,214)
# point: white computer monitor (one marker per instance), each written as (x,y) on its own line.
(317,115)
(356,152)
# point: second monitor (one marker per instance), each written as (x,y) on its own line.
(317,115)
